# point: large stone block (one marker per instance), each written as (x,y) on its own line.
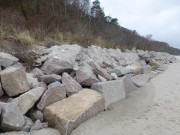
(12,118)
(37,72)
(128,85)
(7,60)
(135,68)
(85,76)
(56,66)
(27,100)
(50,78)
(112,91)
(52,95)
(69,113)
(44,131)
(97,70)
(1,91)
(119,71)
(71,85)
(14,81)
(140,80)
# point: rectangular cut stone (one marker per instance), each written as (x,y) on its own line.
(14,81)
(112,91)
(69,113)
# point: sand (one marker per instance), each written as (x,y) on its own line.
(151,110)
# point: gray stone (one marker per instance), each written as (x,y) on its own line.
(32,81)
(102,79)
(51,96)
(135,68)
(14,81)
(44,131)
(97,70)
(54,84)
(140,80)
(69,113)
(55,66)
(2,104)
(114,76)
(20,66)
(42,84)
(119,71)
(27,100)
(154,64)
(7,60)
(128,85)
(71,85)
(28,124)
(112,91)
(146,70)
(12,118)
(37,115)
(85,76)
(1,91)
(50,78)
(37,126)
(37,72)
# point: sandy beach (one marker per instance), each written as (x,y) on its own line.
(151,110)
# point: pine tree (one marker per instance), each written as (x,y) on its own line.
(96,10)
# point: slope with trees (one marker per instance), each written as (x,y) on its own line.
(47,22)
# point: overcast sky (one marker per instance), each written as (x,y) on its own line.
(161,18)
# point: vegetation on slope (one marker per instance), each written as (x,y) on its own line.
(26,23)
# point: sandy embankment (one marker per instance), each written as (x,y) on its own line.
(151,110)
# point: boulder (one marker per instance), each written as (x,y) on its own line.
(71,85)
(42,84)
(85,76)
(51,96)
(102,79)
(37,115)
(2,104)
(44,131)
(119,71)
(69,113)
(1,91)
(37,126)
(50,78)
(12,118)
(135,68)
(128,85)
(37,72)
(55,66)
(154,64)
(20,66)
(14,81)
(7,60)
(54,84)
(32,81)
(27,100)
(114,76)
(27,125)
(97,70)
(146,70)
(112,91)
(141,79)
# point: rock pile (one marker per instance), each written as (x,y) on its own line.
(70,84)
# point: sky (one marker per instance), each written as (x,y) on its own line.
(161,18)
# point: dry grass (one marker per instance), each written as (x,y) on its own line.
(29,39)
